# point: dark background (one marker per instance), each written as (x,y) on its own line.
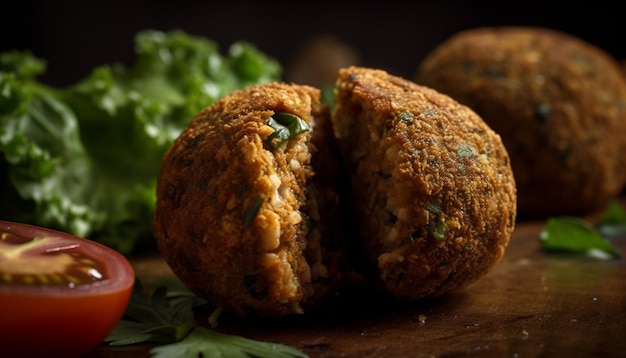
(75,36)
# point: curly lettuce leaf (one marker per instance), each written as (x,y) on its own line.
(85,158)
(42,159)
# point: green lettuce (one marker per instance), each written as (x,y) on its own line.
(84,158)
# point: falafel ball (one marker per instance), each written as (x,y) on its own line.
(432,189)
(558,102)
(241,202)
(319,59)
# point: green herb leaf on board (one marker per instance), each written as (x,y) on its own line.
(578,236)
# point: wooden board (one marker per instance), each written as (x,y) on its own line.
(531,304)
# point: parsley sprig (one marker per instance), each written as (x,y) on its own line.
(613,222)
(579,236)
(168,317)
(286,126)
(163,317)
(211,343)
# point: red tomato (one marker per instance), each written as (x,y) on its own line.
(60,295)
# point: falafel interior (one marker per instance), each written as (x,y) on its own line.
(432,189)
(243,205)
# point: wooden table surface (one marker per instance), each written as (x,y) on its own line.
(531,304)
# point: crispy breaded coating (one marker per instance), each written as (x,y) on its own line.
(239,211)
(433,192)
(558,103)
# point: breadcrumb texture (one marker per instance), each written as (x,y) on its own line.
(433,191)
(239,220)
(558,102)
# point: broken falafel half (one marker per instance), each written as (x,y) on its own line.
(432,191)
(243,197)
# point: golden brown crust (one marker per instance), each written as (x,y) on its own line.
(433,191)
(231,214)
(558,102)
(256,229)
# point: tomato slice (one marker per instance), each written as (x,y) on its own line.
(60,295)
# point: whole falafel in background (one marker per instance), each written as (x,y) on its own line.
(558,103)
(319,59)
(433,193)
(242,202)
